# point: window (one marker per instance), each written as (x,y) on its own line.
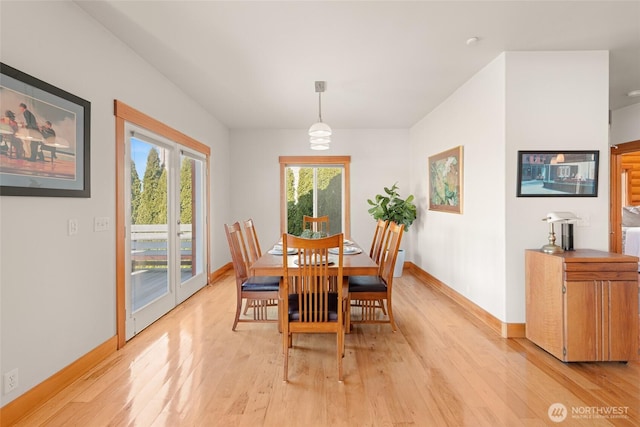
(314,186)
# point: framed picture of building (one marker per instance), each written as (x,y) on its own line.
(558,173)
(445,181)
(45,138)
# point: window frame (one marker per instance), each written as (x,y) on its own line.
(321,161)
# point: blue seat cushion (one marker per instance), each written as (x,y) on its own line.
(367,284)
(294,308)
(261,283)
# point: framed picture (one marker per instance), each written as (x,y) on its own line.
(558,173)
(445,181)
(45,131)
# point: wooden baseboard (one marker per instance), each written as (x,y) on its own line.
(215,275)
(18,408)
(505,330)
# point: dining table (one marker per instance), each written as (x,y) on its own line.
(355,262)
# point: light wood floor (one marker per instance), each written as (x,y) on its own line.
(442,368)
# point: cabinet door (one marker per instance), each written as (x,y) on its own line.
(621,317)
(582,320)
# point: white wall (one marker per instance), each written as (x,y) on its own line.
(520,101)
(554,100)
(379,158)
(625,125)
(467,251)
(58,292)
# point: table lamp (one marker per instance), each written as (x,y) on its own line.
(567,232)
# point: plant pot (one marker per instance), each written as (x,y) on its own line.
(397,271)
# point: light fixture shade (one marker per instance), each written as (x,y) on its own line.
(320,129)
(319,146)
(320,139)
(320,142)
(320,133)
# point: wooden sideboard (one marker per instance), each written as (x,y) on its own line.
(582,305)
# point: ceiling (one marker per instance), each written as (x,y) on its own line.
(387,64)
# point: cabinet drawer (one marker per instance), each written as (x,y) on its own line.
(601,271)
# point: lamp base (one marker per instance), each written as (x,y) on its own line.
(552,249)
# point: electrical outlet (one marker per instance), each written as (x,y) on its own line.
(10,381)
(73,227)
(101,223)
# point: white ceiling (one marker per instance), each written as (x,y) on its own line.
(387,63)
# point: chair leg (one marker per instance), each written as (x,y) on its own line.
(339,345)
(348,316)
(381,302)
(249,303)
(391,320)
(238,310)
(285,348)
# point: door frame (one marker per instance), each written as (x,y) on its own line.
(615,199)
(124,113)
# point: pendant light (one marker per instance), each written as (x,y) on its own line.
(320,132)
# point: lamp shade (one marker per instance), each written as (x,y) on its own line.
(320,142)
(319,146)
(560,216)
(320,129)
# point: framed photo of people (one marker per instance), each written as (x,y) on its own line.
(45,138)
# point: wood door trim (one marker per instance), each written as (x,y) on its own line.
(615,199)
(125,113)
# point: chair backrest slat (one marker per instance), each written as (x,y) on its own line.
(238,252)
(378,240)
(252,240)
(316,224)
(390,252)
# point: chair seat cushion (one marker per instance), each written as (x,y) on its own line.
(367,284)
(294,309)
(261,283)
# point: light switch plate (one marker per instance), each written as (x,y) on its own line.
(101,223)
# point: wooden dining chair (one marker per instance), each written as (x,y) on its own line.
(369,291)
(379,235)
(312,302)
(254,252)
(262,291)
(318,224)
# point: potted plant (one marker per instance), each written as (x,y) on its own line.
(391,207)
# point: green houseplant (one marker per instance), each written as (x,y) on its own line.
(391,207)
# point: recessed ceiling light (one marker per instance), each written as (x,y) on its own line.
(634,93)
